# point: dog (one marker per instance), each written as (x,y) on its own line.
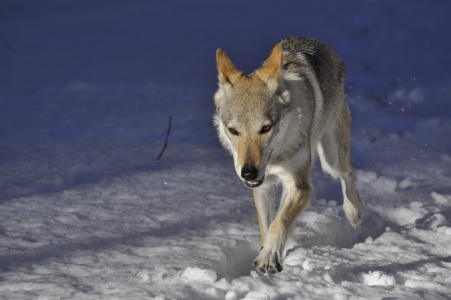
(273,122)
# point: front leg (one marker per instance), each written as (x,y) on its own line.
(265,203)
(269,261)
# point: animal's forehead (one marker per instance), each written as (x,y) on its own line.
(249,101)
(254,80)
(247,111)
(251,88)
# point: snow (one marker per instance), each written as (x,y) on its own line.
(88,212)
(377,278)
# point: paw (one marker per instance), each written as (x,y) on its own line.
(354,214)
(268,262)
(356,223)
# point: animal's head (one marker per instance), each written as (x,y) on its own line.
(248,113)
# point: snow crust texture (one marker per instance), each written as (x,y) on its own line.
(88,212)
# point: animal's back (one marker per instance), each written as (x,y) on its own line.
(301,53)
(303,57)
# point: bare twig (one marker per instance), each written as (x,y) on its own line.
(167,137)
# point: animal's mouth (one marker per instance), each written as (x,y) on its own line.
(254,183)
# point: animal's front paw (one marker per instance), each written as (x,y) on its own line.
(268,262)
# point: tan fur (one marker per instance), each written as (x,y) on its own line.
(249,150)
(227,69)
(271,69)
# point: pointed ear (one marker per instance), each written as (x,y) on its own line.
(271,68)
(226,68)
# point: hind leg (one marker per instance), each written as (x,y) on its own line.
(333,150)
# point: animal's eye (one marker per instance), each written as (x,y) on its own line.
(233,131)
(265,129)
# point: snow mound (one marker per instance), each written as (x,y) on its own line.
(256,296)
(441,199)
(377,278)
(379,184)
(197,274)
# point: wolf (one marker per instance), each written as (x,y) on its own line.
(273,122)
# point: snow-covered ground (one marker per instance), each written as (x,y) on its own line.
(88,212)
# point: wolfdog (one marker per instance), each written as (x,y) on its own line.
(273,120)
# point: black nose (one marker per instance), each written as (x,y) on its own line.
(249,173)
